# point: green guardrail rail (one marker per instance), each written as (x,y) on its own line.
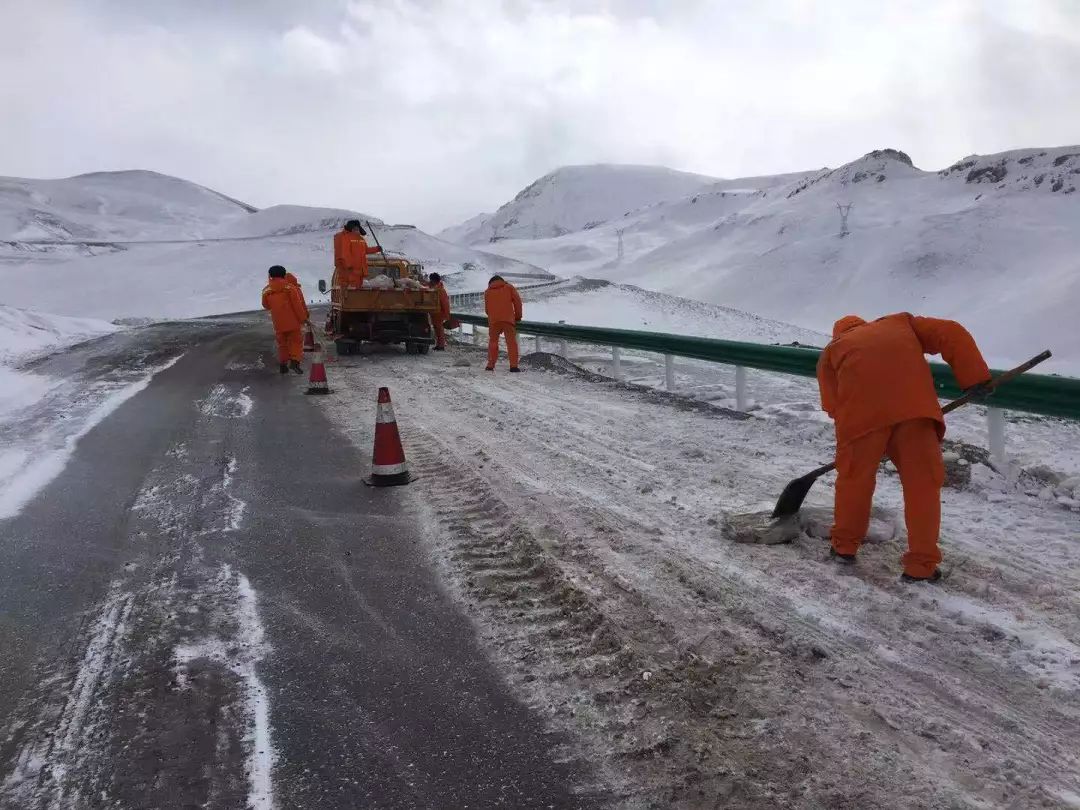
(1046,394)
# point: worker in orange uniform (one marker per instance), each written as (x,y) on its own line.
(877,387)
(503,307)
(439,319)
(350,254)
(289,314)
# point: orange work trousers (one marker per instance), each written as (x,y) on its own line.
(502,328)
(290,345)
(915,449)
(440,331)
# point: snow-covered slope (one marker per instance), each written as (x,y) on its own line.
(24,333)
(592,302)
(993,241)
(576,197)
(222,274)
(125,205)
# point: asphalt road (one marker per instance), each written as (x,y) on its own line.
(206,608)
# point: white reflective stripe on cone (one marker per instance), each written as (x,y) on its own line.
(384,414)
(389,469)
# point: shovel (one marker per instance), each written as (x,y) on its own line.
(791,499)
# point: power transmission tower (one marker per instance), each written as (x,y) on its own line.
(845,211)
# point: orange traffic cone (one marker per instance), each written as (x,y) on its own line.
(309,340)
(317,379)
(388,465)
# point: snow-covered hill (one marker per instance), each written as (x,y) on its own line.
(125,205)
(143,245)
(574,198)
(993,241)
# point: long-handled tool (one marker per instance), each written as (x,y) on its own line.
(791,499)
(376,238)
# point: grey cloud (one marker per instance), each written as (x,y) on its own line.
(431,111)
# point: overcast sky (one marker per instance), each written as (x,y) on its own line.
(429,111)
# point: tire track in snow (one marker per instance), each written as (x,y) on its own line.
(44,763)
(175,644)
(940,700)
(239,651)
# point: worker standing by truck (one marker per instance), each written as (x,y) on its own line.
(503,307)
(350,254)
(289,313)
(439,319)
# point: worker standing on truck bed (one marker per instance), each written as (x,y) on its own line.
(877,386)
(503,307)
(289,313)
(439,319)
(350,254)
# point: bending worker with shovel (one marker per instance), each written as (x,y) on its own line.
(877,387)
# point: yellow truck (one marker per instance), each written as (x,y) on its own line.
(391,307)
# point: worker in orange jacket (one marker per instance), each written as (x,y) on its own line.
(350,254)
(503,307)
(439,319)
(877,387)
(289,314)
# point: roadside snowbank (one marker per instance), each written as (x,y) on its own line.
(24,333)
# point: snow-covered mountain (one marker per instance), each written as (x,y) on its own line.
(140,244)
(574,198)
(993,241)
(125,205)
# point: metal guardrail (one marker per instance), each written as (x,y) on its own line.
(464,299)
(1044,394)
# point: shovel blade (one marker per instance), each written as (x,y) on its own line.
(791,499)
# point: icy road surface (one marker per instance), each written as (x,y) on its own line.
(580,523)
(201,605)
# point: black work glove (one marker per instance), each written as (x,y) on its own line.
(980,392)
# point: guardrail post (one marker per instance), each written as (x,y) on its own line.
(741,400)
(995,421)
(669,372)
(616,362)
(538,347)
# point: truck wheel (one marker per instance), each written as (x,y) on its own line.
(411,348)
(423,348)
(345,347)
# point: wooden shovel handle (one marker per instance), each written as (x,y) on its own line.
(1001,379)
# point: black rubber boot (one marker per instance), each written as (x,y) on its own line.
(934,577)
(296,367)
(283,368)
(438,348)
(843,559)
(515,370)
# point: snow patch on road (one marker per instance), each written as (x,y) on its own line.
(241,654)
(245,365)
(226,404)
(22,476)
